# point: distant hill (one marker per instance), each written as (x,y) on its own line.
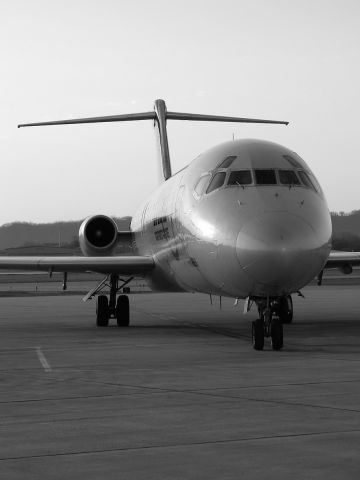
(21,238)
(346,222)
(346,230)
(64,234)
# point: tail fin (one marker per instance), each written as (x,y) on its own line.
(160,115)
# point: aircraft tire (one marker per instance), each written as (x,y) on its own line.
(102,311)
(258,334)
(286,312)
(277,334)
(122,311)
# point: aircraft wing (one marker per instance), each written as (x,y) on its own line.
(343,260)
(129,265)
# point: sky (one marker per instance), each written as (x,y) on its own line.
(288,60)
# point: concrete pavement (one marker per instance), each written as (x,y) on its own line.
(181,393)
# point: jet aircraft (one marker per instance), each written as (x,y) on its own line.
(246,219)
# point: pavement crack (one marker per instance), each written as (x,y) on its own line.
(180,444)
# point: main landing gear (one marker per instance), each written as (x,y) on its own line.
(113,307)
(273,313)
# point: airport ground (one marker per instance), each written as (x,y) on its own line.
(181,393)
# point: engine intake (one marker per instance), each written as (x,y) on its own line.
(98,235)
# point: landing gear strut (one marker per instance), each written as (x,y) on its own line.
(285,309)
(273,312)
(113,307)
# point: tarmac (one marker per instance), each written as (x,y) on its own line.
(180,394)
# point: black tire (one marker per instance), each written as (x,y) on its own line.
(277,334)
(258,334)
(122,311)
(286,312)
(102,311)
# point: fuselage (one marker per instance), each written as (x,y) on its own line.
(245,218)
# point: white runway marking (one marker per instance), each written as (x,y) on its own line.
(43,360)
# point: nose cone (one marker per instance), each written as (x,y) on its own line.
(280,252)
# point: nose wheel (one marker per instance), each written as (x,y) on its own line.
(268,325)
(277,334)
(285,309)
(258,334)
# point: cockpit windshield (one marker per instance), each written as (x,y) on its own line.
(258,177)
(241,177)
(288,177)
(265,177)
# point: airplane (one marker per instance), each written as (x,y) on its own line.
(246,219)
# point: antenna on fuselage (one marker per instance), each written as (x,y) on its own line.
(160,115)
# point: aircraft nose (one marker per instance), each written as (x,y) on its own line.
(279,249)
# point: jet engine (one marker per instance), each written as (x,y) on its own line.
(98,236)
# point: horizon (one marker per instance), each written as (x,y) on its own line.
(51,222)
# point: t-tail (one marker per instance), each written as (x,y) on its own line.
(159,115)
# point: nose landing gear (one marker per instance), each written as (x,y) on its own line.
(258,334)
(273,313)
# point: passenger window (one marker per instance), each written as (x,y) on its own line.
(242,177)
(216,182)
(227,162)
(306,180)
(288,177)
(201,185)
(265,177)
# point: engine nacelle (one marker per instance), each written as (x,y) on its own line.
(98,236)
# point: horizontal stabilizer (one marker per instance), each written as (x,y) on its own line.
(110,118)
(218,118)
(154,115)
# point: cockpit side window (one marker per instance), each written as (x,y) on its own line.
(201,185)
(316,184)
(265,177)
(306,180)
(241,177)
(216,182)
(288,177)
(227,162)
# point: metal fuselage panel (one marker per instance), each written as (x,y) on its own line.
(255,240)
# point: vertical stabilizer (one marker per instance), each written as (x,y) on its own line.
(160,121)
